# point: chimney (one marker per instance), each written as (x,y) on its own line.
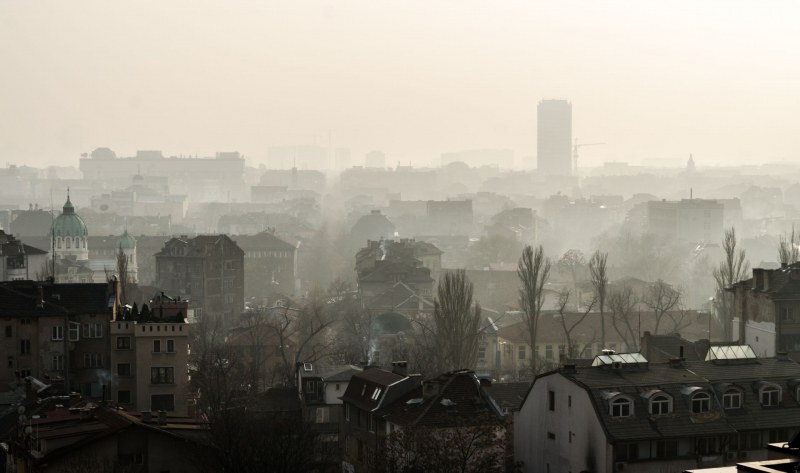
(162,417)
(680,352)
(30,394)
(431,388)
(147,417)
(569,368)
(74,399)
(782,356)
(400,367)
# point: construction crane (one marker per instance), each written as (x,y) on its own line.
(575,154)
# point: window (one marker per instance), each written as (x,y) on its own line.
(162,402)
(123,343)
(74,331)
(548,352)
(323,415)
(521,354)
(25,346)
(57,363)
(621,407)
(123,369)
(58,332)
(123,397)
(659,405)
(162,375)
(170,346)
(156,346)
(10,361)
(347,412)
(25,321)
(701,402)
(551,400)
(666,448)
(9,331)
(376,394)
(770,395)
(481,354)
(373,423)
(93,330)
(732,399)
(551,436)
(626,451)
(92,360)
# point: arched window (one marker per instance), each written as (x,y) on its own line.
(660,404)
(701,402)
(69,242)
(770,395)
(621,407)
(732,399)
(58,243)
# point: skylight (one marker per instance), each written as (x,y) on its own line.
(734,352)
(619,358)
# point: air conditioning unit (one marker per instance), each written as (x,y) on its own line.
(620,466)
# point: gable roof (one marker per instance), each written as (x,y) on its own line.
(459,400)
(24,299)
(374,388)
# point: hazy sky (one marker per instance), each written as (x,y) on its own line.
(654,80)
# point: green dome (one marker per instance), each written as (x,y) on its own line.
(126,242)
(69,224)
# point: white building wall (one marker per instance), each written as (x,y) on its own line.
(573,417)
(332,394)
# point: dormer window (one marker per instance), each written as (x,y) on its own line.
(701,402)
(660,404)
(770,395)
(621,407)
(732,399)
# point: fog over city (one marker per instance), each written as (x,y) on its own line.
(653,80)
(420,236)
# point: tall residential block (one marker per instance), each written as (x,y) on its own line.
(554,137)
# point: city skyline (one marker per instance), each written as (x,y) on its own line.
(654,81)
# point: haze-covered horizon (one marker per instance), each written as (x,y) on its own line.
(655,82)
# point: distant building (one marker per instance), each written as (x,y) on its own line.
(208,270)
(149,359)
(19,261)
(503,158)
(767,309)
(58,332)
(554,138)
(375,159)
(692,220)
(69,235)
(270,265)
(382,264)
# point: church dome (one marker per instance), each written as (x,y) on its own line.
(69,224)
(126,241)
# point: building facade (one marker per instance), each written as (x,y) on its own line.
(554,137)
(208,270)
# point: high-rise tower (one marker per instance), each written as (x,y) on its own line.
(554,137)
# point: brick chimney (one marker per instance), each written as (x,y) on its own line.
(400,367)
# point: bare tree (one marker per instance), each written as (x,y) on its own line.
(661,299)
(303,334)
(456,322)
(597,270)
(533,271)
(122,273)
(623,303)
(574,263)
(563,301)
(731,270)
(472,447)
(789,248)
